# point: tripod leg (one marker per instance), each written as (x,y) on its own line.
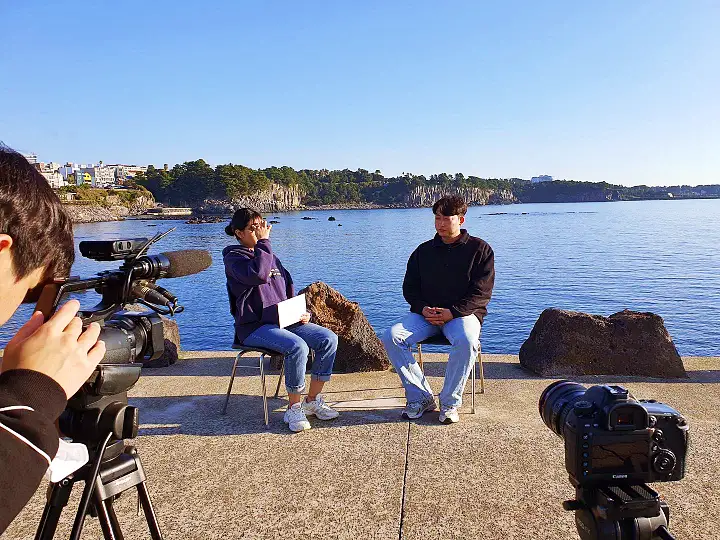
(150,517)
(58,496)
(108,520)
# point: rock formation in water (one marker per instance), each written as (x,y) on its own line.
(359,348)
(568,343)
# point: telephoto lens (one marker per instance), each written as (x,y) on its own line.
(557,401)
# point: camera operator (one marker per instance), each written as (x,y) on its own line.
(47,361)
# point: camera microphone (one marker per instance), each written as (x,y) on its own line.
(172,264)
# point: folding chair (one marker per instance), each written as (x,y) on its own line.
(245,349)
(440,339)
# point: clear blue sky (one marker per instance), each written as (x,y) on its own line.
(621,91)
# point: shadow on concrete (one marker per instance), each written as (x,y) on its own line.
(510,370)
(201,415)
(248,367)
(211,367)
(219,367)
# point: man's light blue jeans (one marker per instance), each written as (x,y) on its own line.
(295,342)
(464,336)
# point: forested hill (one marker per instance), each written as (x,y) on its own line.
(193,182)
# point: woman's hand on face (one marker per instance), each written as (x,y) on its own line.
(305,318)
(262,232)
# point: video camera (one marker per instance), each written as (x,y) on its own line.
(614,445)
(98,415)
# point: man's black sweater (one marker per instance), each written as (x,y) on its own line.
(30,402)
(458,276)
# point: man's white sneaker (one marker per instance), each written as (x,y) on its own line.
(416,409)
(295,418)
(319,408)
(449,415)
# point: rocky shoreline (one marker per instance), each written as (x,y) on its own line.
(100,214)
(96,213)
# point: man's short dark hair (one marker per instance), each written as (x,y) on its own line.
(452,205)
(32,214)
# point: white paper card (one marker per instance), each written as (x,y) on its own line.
(290,311)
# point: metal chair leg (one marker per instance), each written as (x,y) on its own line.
(482,374)
(473,389)
(264,391)
(232,378)
(280,377)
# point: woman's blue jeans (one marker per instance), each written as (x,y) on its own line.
(295,342)
(464,336)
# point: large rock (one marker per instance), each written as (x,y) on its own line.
(359,348)
(564,343)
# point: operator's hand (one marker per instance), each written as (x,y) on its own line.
(437,316)
(305,318)
(59,348)
(262,232)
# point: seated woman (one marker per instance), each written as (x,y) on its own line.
(255,280)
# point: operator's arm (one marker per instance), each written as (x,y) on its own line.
(251,271)
(30,402)
(482,280)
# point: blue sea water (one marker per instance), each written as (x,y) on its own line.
(658,256)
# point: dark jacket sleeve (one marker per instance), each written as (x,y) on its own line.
(251,272)
(482,280)
(30,403)
(411,284)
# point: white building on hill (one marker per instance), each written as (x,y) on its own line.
(55,179)
(541,178)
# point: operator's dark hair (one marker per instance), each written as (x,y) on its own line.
(32,214)
(452,205)
(240,219)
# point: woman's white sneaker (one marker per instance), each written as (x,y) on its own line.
(295,418)
(319,408)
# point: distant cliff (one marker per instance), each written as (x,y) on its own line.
(276,198)
(424,196)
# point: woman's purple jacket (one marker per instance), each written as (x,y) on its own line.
(255,280)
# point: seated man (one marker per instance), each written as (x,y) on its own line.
(448,284)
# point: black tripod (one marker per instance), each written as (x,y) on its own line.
(105,479)
(620,513)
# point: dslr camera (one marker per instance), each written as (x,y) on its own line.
(98,415)
(614,446)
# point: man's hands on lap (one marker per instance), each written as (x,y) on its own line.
(437,316)
(58,348)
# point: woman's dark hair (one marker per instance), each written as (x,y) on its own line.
(240,219)
(32,214)
(452,205)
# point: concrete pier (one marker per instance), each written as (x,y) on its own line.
(498,474)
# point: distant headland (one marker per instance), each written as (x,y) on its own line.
(219,190)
